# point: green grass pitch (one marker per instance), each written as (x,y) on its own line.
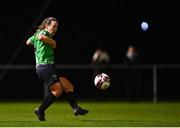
(102,114)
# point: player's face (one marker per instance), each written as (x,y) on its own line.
(52,28)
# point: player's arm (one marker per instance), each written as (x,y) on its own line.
(29,42)
(47,40)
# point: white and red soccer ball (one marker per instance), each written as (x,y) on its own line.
(102,81)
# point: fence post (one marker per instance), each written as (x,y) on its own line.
(155,84)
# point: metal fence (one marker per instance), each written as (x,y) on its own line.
(160,81)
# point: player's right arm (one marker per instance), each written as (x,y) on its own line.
(47,40)
(29,42)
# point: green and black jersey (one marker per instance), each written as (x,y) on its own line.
(44,53)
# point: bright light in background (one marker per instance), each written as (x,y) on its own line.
(144,26)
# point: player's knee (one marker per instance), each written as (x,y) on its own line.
(57,93)
(56,89)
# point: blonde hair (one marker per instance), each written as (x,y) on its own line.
(46,21)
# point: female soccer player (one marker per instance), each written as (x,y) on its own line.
(44,54)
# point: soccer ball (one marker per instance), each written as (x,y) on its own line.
(102,81)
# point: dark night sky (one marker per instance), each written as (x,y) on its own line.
(86,24)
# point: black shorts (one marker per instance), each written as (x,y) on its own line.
(47,74)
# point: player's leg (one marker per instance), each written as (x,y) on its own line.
(69,91)
(56,91)
(48,76)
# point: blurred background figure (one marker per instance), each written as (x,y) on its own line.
(132,57)
(133,74)
(100,61)
(100,58)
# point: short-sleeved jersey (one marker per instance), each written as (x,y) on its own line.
(44,53)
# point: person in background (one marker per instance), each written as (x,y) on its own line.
(132,57)
(133,75)
(100,57)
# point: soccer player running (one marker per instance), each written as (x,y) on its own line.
(44,54)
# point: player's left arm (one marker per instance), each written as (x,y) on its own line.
(47,40)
